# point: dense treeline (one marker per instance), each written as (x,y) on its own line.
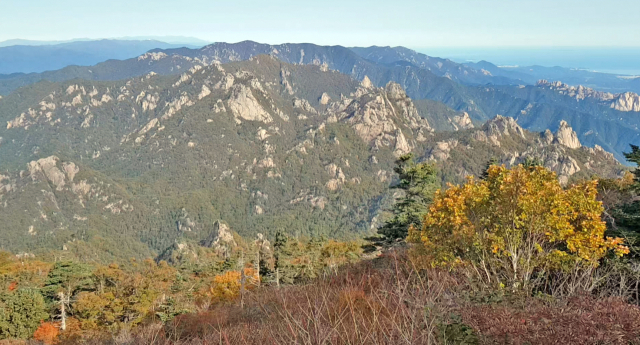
(67,299)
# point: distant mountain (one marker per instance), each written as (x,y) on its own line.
(39,58)
(626,102)
(22,42)
(178,40)
(438,66)
(530,74)
(126,168)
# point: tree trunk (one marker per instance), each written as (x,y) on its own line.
(63,314)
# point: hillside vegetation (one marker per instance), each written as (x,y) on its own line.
(260,145)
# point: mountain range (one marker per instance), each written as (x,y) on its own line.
(33,57)
(113,169)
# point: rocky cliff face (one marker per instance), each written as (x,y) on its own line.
(566,136)
(627,102)
(382,117)
(504,139)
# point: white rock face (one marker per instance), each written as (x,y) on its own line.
(402,145)
(325,99)
(627,101)
(366,83)
(504,125)
(47,167)
(547,137)
(220,239)
(493,130)
(225,83)
(303,104)
(567,137)
(150,125)
(205,92)
(71,170)
(337,177)
(461,121)
(441,152)
(244,105)
(384,117)
(152,56)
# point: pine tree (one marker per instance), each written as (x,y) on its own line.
(21,313)
(419,182)
(284,250)
(532,162)
(485,173)
(634,157)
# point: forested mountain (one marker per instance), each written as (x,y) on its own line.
(117,169)
(424,78)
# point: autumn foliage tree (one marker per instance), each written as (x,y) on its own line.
(47,333)
(226,286)
(515,224)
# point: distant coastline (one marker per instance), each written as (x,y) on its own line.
(614,60)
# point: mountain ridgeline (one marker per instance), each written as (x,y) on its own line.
(446,85)
(110,170)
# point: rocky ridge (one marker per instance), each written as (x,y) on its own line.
(560,152)
(259,145)
(627,101)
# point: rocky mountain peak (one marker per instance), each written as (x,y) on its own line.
(220,239)
(395,91)
(366,83)
(503,125)
(627,101)
(567,136)
(460,122)
(382,117)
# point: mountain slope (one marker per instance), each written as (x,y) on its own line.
(440,67)
(261,145)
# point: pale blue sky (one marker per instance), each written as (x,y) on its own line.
(426,23)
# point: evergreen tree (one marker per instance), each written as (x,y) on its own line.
(419,182)
(21,313)
(485,173)
(627,215)
(532,162)
(68,277)
(285,249)
(634,157)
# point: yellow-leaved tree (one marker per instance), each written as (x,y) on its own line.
(513,225)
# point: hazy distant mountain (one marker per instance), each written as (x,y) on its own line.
(438,66)
(177,40)
(531,74)
(39,58)
(22,42)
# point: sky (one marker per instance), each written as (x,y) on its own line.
(414,24)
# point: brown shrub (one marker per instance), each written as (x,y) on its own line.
(388,301)
(579,320)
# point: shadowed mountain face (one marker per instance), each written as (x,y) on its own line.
(130,166)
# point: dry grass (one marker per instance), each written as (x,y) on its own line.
(386,301)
